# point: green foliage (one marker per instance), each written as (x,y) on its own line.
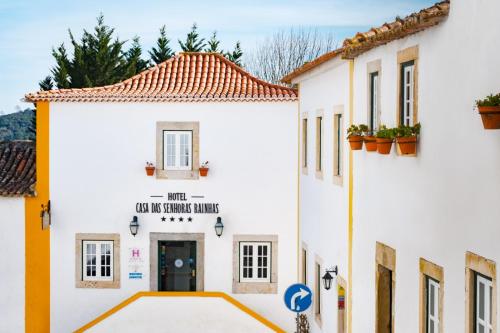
(236,55)
(364,129)
(404,131)
(213,44)
(162,51)
(133,58)
(354,130)
(386,133)
(193,41)
(17,126)
(490,100)
(46,84)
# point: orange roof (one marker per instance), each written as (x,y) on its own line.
(186,77)
(362,42)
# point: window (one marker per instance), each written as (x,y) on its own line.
(304,266)
(373,115)
(338,130)
(317,291)
(304,143)
(98,260)
(484,306)
(178,147)
(481,294)
(177,150)
(432,305)
(407,91)
(319,145)
(385,283)
(255,262)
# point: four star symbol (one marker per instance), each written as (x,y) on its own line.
(172,219)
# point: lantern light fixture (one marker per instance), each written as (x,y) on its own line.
(134,226)
(219,227)
(45,216)
(328,278)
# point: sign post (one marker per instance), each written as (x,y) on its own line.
(298,298)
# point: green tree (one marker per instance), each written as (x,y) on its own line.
(236,55)
(193,41)
(133,59)
(162,51)
(46,84)
(213,44)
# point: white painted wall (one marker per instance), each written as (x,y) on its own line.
(12,273)
(180,315)
(98,153)
(443,202)
(323,204)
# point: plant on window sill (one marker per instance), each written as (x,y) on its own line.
(406,138)
(150,169)
(385,137)
(368,137)
(204,169)
(489,109)
(355,137)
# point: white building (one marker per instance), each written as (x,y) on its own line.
(193,108)
(422,229)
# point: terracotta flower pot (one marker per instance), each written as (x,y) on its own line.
(384,146)
(370,143)
(490,116)
(150,170)
(203,172)
(407,145)
(356,142)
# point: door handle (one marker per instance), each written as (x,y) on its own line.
(193,272)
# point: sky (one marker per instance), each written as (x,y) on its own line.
(29,29)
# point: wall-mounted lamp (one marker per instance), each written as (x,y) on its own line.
(328,278)
(219,227)
(45,216)
(134,226)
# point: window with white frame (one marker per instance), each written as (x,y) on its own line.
(255,262)
(177,150)
(319,144)
(432,311)
(407,92)
(337,145)
(373,121)
(483,300)
(97,260)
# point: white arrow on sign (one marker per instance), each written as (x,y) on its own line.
(299,294)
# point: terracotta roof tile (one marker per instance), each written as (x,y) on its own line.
(187,77)
(17,168)
(310,65)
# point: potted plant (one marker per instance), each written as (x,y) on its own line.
(406,138)
(150,169)
(385,137)
(355,137)
(489,109)
(368,137)
(204,169)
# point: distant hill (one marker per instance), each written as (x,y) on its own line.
(16,126)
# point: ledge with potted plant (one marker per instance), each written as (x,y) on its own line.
(406,138)
(355,137)
(150,169)
(489,109)
(385,137)
(204,169)
(368,137)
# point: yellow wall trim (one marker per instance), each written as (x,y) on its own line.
(350,228)
(181,294)
(37,241)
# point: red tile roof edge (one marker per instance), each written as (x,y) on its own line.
(17,168)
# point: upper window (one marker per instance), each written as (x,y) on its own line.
(338,130)
(177,150)
(255,261)
(374,100)
(304,143)
(407,93)
(319,144)
(483,314)
(97,260)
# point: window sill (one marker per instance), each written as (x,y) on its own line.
(255,287)
(98,284)
(338,180)
(319,174)
(178,174)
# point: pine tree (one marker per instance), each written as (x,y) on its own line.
(133,58)
(163,51)
(193,41)
(236,55)
(46,84)
(213,44)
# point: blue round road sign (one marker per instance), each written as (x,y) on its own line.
(298,297)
